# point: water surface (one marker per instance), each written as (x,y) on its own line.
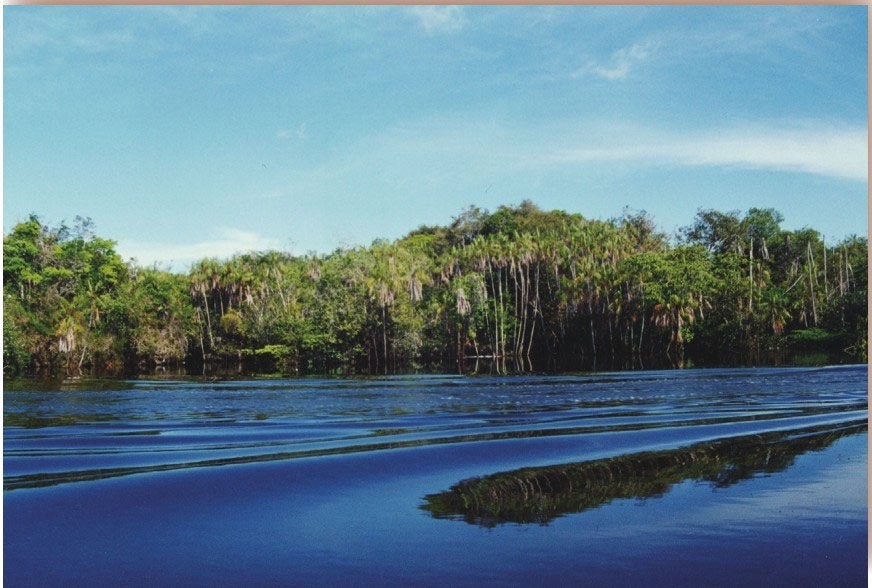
(715,477)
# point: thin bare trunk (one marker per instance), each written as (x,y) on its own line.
(385,337)
(505,312)
(642,328)
(751,278)
(200,335)
(496,341)
(826,285)
(535,307)
(208,319)
(501,323)
(841,278)
(811,284)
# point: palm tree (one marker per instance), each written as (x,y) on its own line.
(773,307)
(201,282)
(382,281)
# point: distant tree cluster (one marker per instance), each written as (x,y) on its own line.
(516,283)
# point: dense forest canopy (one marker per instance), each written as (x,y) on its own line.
(519,282)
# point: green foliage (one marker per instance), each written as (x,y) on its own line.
(272,358)
(503,222)
(719,232)
(231,323)
(275,352)
(678,284)
(16,356)
(154,317)
(520,281)
(813,338)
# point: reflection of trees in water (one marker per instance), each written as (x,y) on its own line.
(538,495)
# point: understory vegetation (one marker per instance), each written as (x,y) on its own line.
(519,282)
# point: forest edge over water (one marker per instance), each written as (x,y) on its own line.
(515,289)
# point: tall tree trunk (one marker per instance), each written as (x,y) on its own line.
(200,336)
(460,352)
(496,341)
(505,313)
(811,284)
(208,320)
(826,284)
(82,358)
(751,279)
(642,327)
(590,320)
(385,337)
(535,311)
(841,278)
(501,323)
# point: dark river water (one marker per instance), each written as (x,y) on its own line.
(728,477)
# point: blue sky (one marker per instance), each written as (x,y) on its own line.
(187,132)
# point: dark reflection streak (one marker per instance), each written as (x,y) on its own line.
(539,495)
(53,479)
(153,433)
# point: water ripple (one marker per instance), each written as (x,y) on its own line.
(94,430)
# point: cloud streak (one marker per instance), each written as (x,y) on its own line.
(620,64)
(839,153)
(815,147)
(300,133)
(438,19)
(227,242)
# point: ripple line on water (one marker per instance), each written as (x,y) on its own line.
(43,479)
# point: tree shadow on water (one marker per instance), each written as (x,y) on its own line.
(539,495)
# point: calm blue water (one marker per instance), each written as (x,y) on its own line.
(710,477)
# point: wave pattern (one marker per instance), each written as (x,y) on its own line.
(91,430)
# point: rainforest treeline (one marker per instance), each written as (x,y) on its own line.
(548,287)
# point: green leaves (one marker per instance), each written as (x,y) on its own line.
(518,282)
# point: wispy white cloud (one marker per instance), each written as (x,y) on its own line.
(834,152)
(433,157)
(818,147)
(103,42)
(194,20)
(760,34)
(620,63)
(757,30)
(439,19)
(226,243)
(61,30)
(300,133)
